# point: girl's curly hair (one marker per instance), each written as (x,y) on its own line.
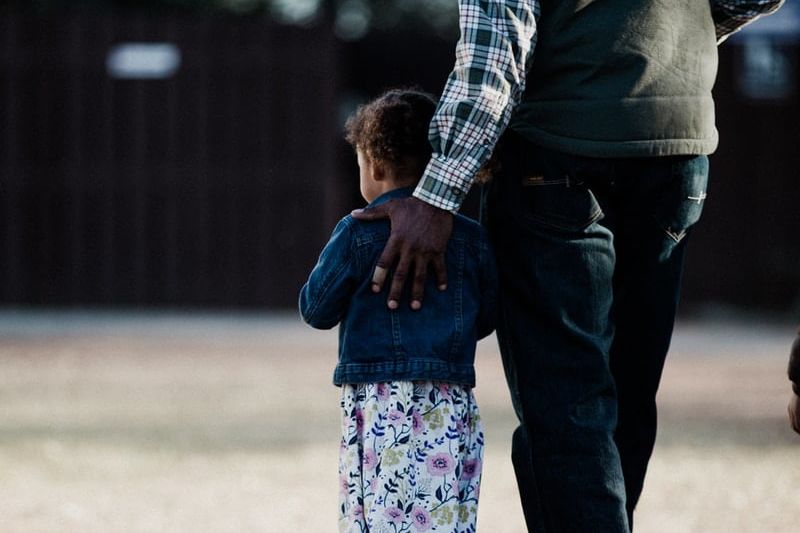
(392,130)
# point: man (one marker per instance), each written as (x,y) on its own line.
(603,171)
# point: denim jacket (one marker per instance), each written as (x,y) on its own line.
(378,344)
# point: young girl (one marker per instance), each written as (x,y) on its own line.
(412,442)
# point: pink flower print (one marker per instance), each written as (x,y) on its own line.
(359,420)
(370,460)
(382,391)
(420,519)
(344,486)
(440,464)
(396,417)
(460,425)
(472,468)
(444,391)
(394,514)
(417,425)
(357,512)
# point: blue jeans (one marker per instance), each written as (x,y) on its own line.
(590,253)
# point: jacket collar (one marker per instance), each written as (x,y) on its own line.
(402,192)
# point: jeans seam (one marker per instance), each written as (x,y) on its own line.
(676,236)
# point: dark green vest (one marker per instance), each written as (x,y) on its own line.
(622,78)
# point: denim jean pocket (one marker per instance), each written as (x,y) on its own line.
(561,203)
(683,197)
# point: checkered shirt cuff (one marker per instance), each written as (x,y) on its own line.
(446,182)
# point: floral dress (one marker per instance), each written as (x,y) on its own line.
(410,458)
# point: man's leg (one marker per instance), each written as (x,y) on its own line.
(658,200)
(556,264)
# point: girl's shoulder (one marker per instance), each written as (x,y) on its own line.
(365,232)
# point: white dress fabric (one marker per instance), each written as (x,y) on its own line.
(410,458)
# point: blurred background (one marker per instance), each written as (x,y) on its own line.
(188,153)
(169,171)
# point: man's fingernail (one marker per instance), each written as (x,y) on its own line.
(376,287)
(416,305)
(356,211)
(392,304)
(443,287)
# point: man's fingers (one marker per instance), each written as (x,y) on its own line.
(372,213)
(383,264)
(419,232)
(399,279)
(378,277)
(390,250)
(418,287)
(441,272)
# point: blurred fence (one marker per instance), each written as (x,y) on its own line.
(212,186)
(218,184)
(746,250)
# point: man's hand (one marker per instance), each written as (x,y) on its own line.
(419,237)
(794,412)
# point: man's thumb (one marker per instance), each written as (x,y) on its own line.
(371,213)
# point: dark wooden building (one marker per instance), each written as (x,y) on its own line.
(216,183)
(211,186)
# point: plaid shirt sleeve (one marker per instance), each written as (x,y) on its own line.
(487,82)
(731,15)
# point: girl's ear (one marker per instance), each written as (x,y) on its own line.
(378,171)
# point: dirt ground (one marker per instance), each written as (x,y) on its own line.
(199,423)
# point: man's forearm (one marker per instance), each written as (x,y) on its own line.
(497,40)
